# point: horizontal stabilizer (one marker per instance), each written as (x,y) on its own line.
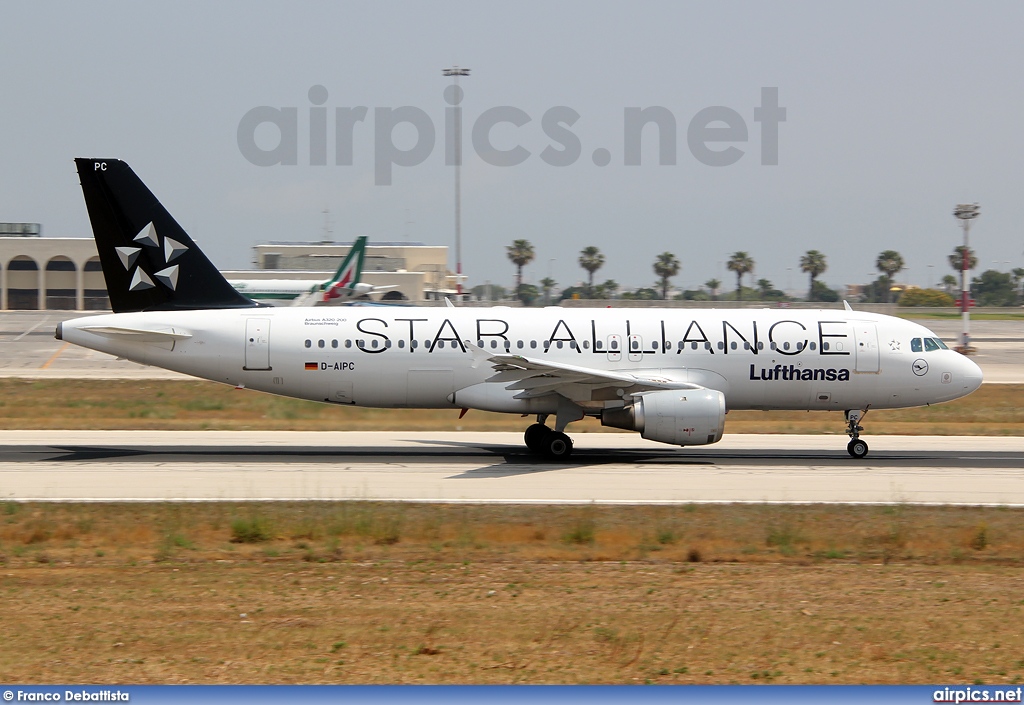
(143,335)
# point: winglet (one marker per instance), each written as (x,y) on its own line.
(448,302)
(846,305)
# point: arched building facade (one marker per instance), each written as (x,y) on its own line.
(52,273)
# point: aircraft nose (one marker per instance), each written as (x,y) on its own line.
(971,375)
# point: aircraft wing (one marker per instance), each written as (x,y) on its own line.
(535,378)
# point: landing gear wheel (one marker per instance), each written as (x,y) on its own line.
(534,437)
(856,447)
(557,446)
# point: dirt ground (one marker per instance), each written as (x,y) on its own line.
(378,593)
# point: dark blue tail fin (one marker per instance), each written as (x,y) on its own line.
(149,262)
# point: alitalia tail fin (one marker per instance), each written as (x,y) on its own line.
(149,262)
(346,280)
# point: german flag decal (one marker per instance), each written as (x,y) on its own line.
(312,366)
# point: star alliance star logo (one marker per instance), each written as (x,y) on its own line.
(894,346)
(172,250)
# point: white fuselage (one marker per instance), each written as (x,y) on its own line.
(422,357)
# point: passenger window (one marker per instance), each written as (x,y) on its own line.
(494,343)
(929,345)
(915,345)
(401,343)
(309,343)
(586,345)
(732,345)
(615,346)
(519,344)
(334,343)
(533,344)
(319,343)
(348,343)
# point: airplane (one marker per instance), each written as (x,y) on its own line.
(344,285)
(671,374)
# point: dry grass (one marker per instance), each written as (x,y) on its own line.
(132,404)
(384,593)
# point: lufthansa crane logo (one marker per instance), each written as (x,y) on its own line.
(920,367)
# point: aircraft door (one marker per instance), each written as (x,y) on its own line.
(614,348)
(257,344)
(867,346)
(636,348)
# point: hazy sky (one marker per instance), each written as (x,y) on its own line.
(896,112)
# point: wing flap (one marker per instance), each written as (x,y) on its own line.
(533,378)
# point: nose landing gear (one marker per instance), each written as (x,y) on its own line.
(856,447)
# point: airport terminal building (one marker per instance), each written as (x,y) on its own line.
(59,274)
(415,271)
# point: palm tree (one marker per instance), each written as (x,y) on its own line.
(610,287)
(521,254)
(956,260)
(741,263)
(813,263)
(591,260)
(889,263)
(666,267)
(948,282)
(546,285)
(712,285)
(764,287)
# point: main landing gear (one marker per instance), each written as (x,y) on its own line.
(547,442)
(856,447)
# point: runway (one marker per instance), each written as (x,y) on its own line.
(494,467)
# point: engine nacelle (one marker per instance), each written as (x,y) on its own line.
(685,417)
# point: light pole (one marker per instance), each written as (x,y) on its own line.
(456,98)
(965,213)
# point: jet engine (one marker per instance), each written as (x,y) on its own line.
(685,417)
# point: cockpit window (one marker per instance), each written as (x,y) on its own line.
(940,344)
(930,344)
(915,345)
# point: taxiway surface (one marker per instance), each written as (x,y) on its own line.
(495,467)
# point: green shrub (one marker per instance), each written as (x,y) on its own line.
(249,531)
